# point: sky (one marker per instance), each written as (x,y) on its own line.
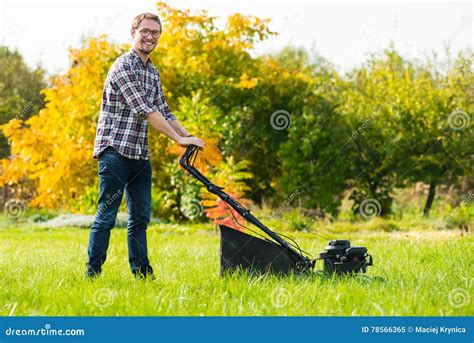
(343,32)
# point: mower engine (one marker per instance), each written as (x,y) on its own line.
(339,257)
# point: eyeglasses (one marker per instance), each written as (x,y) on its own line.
(146,32)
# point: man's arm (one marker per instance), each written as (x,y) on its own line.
(180,130)
(171,121)
(157,120)
(135,97)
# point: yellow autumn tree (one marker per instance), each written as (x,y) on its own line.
(54,147)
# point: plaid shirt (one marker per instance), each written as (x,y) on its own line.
(132,90)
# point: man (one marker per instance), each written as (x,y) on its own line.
(132,99)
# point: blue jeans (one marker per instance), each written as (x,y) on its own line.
(116,174)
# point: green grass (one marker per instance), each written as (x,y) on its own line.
(416,273)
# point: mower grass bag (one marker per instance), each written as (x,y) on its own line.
(245,252)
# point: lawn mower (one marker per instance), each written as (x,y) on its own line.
(272,254)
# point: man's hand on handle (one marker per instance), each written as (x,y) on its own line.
(184,141)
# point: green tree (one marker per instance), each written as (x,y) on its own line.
(441,132)
(404,116)
(20,88)
(370,103)
(314,165)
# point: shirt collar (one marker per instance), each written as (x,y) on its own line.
(136,57)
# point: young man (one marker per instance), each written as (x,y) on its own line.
(132,99)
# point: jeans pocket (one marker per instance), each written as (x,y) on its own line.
(113,156)
(111,151)
(102,164)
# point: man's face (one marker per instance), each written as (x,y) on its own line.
(144,37)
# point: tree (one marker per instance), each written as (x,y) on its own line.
(442,140)
(400,113)
(20,88)
(314,165)
(53,149)
(371,103)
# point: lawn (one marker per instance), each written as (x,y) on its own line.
(416,273)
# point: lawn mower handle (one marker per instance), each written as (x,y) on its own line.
(187,162)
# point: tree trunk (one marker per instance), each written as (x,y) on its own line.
(429,200)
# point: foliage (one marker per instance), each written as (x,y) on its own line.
(20,88)
(314,165)
(387,124)
(230,176)
(459,217)
(442,133)
(399,112)
(53,149)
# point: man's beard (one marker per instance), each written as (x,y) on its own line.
(144,49)
(145,52)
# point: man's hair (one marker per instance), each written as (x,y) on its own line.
(139,18)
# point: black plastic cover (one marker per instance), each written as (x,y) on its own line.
(242,251)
